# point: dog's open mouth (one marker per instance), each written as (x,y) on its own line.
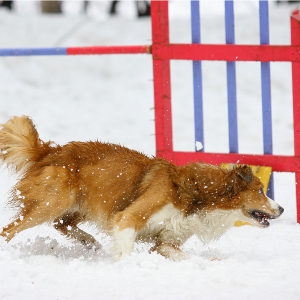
(261,217)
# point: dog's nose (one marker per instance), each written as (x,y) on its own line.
(281,209)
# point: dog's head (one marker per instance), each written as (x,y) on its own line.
(246,192)
(213,188)
(256,206)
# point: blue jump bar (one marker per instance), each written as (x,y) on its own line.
(32,51)
(197,77)
(265,80)
(266,89)
(231,81)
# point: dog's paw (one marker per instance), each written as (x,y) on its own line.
(178,256)
(171,252)
(119,255)
(124,243)
(91,245)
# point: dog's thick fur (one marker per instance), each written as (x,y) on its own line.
(127,194)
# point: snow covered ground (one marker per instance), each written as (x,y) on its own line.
(110,98)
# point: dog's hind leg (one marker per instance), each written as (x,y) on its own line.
(67,225)
(40,202)
(29,218)
(18,225)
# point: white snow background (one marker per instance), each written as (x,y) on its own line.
(110,98)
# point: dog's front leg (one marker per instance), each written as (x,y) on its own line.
(127,224)
(124,241)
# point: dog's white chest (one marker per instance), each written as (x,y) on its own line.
(172,226)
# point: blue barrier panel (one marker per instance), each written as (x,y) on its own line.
(231,81)
(197,78)
(266,88)
(32,51)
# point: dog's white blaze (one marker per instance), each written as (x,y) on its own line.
(273,205)
(124,242)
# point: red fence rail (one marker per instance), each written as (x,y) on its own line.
(228,52)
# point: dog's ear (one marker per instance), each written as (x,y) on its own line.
(239,178)
(244,172)
(181,177)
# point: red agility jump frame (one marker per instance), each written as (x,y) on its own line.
(163,52)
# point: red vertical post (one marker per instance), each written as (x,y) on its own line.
(161,78)
(295,37)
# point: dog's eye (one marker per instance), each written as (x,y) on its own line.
(261,190)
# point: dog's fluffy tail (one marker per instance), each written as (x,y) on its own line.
(20,145)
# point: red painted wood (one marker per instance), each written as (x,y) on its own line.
(162,100)
(108,50)
(279,163)
(160,22)
(297,176)
(262,53)
(295,41)
(161,78)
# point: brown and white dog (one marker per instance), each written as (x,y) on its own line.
(127,194)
